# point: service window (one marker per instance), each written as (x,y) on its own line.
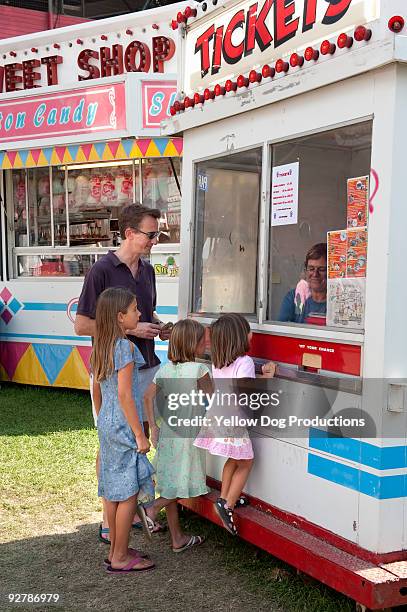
(227,195)
(319,220)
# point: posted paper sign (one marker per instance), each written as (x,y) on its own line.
(284,201)
(358,201)
(337,250)
(346,302)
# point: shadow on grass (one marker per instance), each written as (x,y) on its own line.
(27,410)
(71,565)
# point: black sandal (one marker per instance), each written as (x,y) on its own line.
(226,515)
(242,502)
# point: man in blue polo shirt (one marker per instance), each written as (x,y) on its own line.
(125,267)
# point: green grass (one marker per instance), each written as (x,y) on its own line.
(48,447)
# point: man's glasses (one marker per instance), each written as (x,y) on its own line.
(150,235)
(320,270)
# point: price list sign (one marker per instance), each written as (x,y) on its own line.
(284,201)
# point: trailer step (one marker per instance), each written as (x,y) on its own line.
(372,585)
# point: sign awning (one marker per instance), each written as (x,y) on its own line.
(128,148)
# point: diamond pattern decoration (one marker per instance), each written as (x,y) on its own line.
(15,305)
(9,305)
(5,295)
(6,316)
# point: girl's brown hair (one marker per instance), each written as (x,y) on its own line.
(108,330)
(185,337)
(229,339)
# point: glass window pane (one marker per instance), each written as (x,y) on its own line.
(54,265)
(95,195)
(18,187)
(59,206)
(160,190)
(39,204)
(325,161)
(227,193)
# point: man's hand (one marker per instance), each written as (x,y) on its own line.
(165,331)
(148,331)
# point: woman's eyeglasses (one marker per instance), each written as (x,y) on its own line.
(312,269)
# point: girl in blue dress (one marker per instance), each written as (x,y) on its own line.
(125,472)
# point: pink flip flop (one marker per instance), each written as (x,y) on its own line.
(133,552)
(130,567)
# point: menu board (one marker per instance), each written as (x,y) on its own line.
(357,201)
(356,255)
(284,197)
(346,302)
(337,248)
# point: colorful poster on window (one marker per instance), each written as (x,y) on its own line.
(357,201)
(346,302)
(356,256)
(284,199)
(337,248)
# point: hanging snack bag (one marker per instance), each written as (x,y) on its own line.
(82,189)
(124,187)
(108,190)
(95,194)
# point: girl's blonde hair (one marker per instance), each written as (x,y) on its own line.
(184,339)
(229,339)
(108,330)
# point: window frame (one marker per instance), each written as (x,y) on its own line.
(259,321)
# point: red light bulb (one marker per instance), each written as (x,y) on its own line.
(180,17)
(362,33)
(198,98)
(129,32)
(396,23)
(327,48)
(219,90)
(230,85)
(177,106)
(282,66)
(188,102)
(344,41)
(208,94)
(311,54)
(172,111)
(174,24)
(242,81)
(267,71)
(254,76)
(296,60)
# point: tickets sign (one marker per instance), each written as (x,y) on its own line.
(254,33)
(80,111)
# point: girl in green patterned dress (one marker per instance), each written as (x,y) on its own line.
(180,466)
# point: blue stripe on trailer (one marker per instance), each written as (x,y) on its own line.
(380,487)
(58,307)
(46,337)
(380,458)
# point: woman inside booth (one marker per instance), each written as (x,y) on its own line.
(307,302)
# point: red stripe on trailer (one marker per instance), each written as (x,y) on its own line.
(318,531)
(367,583)
(335,356)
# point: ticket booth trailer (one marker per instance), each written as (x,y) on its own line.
(293,121)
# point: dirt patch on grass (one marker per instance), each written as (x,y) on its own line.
(71,564)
